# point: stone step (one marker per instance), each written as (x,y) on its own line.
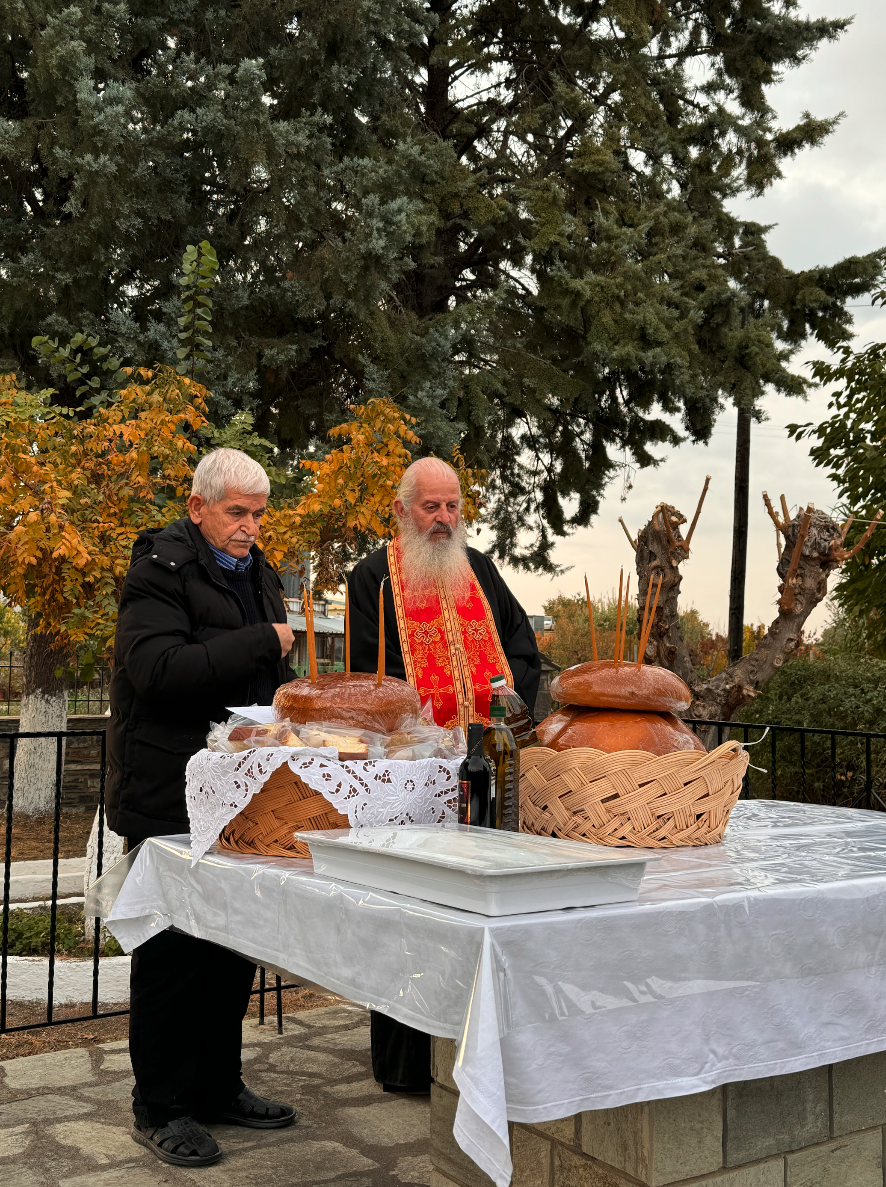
(32,880)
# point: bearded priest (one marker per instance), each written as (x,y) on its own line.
(451,623)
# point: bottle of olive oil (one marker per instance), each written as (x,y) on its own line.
(503,754)
(476,804)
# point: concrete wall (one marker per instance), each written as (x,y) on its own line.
(80,781)
(819,1128)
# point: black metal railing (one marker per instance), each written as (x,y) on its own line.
(84,696)
(50,1017)
(842,767)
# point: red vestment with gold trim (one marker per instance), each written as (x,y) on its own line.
(450,645)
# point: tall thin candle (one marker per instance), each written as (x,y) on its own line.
(347,631)
(309,630)
(624,621)
(381,632)
(646,607)
(621,576)
(648,630)
(591,617)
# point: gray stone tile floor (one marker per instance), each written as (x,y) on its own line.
(65,1116)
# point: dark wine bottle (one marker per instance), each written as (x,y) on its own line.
(503,753)
(475,783)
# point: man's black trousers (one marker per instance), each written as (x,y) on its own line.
(188,999)
(401,1055)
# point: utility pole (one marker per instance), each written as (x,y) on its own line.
(739,535)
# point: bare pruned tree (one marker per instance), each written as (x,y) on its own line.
(810,547)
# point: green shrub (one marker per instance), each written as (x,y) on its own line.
(29,935)
(839,692)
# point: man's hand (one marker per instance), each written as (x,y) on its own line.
(285,635)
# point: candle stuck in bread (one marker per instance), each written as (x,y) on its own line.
(591,617)
(347,631)
(309,630)
(621,577)
(381,631)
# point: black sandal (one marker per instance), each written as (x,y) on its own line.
(252,1111)
(181,1142)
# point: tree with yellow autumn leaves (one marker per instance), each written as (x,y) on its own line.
(76,489)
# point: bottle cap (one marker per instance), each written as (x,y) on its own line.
(493,680)
(475,737)
(498,712)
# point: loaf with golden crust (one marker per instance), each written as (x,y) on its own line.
(603,684)
(615,729)
(349,698)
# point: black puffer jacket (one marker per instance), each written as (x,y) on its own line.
(181,655)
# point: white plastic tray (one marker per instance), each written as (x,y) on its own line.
(479,869)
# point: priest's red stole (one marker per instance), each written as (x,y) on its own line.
(450,646)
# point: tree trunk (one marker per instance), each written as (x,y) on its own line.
(44,707)
(739,536)
(813,547)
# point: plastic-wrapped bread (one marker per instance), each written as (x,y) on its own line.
(350,698)
(603,684)
(233,739)
(615,729)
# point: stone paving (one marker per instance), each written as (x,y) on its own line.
(65,1116)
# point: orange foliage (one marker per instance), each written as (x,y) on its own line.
(350,504)
(75,493)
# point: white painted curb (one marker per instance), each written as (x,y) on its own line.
(33,879)
(27,978)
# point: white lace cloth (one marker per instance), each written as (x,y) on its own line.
(377,792)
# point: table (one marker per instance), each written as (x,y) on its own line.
(757,957)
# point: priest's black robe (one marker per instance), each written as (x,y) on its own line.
(516,635)
(401,1056)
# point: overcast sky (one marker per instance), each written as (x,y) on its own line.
(831,203)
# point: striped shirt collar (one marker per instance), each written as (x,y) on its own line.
(234,564)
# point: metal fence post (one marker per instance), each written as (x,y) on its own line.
(7,875)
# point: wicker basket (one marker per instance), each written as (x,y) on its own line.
(285,805)
(630,797)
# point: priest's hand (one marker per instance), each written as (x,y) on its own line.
(285,635)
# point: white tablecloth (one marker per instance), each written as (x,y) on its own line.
(757,957)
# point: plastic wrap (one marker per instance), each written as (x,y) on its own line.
(350,698)
(427,741)
(615,729)
(351,744)
(758,957)
(235,736)
(604,684)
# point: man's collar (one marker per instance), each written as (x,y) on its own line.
(234,564)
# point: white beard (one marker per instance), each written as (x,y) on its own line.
(426,561)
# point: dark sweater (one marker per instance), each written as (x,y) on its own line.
(263,684)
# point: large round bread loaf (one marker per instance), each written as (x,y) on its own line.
(604,684)
(349,698)
(615,729)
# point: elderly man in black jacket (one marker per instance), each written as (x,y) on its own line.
(202,625)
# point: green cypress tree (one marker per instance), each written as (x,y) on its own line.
(513,216)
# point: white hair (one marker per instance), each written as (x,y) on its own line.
(226,470)
(430,467)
